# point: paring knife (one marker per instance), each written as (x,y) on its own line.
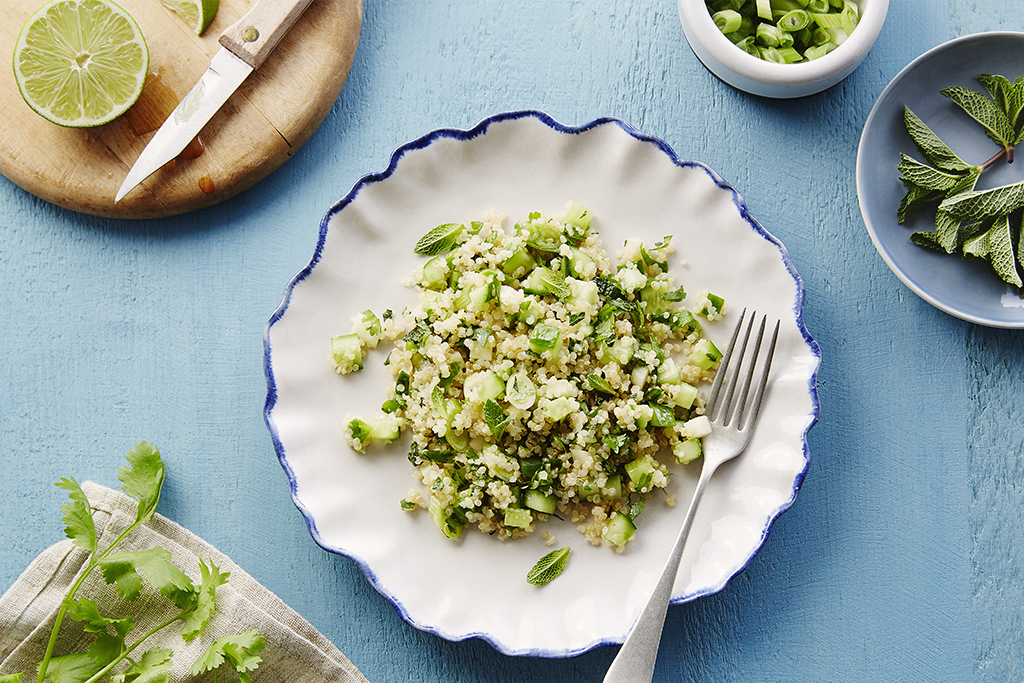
(244,46)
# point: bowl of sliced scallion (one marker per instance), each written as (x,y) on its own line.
(782,48)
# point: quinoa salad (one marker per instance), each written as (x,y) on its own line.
(536,378)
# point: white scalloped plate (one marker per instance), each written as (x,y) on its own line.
(476,588)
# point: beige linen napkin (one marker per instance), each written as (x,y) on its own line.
(295,652)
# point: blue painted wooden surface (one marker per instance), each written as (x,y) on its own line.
(902,557)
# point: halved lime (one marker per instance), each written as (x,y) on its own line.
(80,63)
(198,14)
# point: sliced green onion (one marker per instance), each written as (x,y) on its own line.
(747,45)
(828,20)
(728,21)
(818,51)
(795,20)
(790,55)
(768,35)
(767,26)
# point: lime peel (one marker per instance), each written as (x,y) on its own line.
(197,14)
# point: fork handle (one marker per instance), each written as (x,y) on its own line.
(637,656)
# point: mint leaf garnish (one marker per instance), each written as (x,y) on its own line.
(440,240)
(548,567)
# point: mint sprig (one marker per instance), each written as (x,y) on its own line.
(974,223)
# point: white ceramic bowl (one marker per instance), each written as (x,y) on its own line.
(758,77)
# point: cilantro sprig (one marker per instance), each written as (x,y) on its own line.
(129,572)
(974,223)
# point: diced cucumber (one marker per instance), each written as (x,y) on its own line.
(540,502)
(384,429)
(544,337)
(612,490)
(518,264)
(697,427)
(686,395)
(435,272)
(704,353)
(448,526)
(557,409)
(619,529)
(578,263)
(368,328)
(529,311)
(710,305)
(545,282)
(668,372)
(644,414)
(346,353)
(620,351)
(583,290)
(518,518)
(578,217)
(491,387)
(542,236)
(687,450)
(359,429)
(640,472)
(662,416)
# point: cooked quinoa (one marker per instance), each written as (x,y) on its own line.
(538,378)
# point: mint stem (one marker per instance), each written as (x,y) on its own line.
(1008,151)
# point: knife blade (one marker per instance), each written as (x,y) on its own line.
(244,47)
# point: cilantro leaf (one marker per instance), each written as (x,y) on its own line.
(153,667)
(548,567)
(240,651)
(143,479)
(78,522)
(122,570)
(88,612)
(194,621)
(81,666)
(440,240)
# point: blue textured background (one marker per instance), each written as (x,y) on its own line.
(902,557)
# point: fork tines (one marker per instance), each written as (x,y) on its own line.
(725,411)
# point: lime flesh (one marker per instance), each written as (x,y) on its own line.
(80,63)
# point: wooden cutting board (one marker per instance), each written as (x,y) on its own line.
(263,123)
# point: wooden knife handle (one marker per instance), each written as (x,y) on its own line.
(253,37)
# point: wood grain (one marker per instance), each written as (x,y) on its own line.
(263,124)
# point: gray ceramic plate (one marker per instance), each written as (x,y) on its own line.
(966,289)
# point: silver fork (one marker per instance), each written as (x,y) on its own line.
(732,423)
